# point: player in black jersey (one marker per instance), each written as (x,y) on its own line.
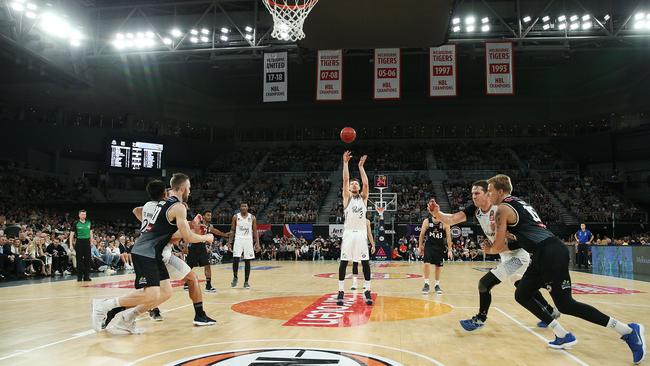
(433,235)
(549,268)
(199,254)
(160,221)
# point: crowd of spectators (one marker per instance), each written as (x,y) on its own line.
(591,200)
(302,159)
(299,200)
(258,195)
(473,156)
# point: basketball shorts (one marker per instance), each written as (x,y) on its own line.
(435,254)
(197,255)
(354,246)
(148,271)
(549,267)
(513,265)
(175,264)
(243,248)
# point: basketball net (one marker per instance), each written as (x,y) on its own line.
(380,211)
(289,17)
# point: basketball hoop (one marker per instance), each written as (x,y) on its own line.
(289,17)
(380,210)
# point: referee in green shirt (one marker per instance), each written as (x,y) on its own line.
(84,235)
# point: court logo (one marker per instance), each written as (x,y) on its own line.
(322,311)
(375,276)
(589,289)
(285,356)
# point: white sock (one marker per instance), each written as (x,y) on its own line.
(366,285)
(437,283)
(557,329)
(341,285)
(113,303)
(130,314)
(426,281)
(618,326)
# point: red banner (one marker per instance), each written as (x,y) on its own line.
(499,67)
(387,85)
(262,228)
(443,71)
(329,75)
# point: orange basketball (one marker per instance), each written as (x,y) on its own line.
(348,135)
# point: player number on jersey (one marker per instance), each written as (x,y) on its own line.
(532,213)
(147,221)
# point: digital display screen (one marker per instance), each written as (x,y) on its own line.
(135,155)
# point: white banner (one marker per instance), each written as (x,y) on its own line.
(443,71)
(329,75)
(387,73)
(275,77)
(499,66)
(336,230)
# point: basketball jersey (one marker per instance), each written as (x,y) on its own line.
(156,229)
(206,231)
(529,228)
(244,227)
(435,234)
(355,214)
(488,223)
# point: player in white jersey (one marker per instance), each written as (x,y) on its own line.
(514,262)
(354,245)
(173,265)
(244,230)
(355,265)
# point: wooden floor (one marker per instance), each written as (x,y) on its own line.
(49,323)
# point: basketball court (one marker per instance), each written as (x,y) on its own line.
(403,327)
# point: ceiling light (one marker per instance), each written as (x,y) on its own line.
(546,18)
(176,33)
(485,28)
(248,29)
(526,19)
(455,21)
(470,20)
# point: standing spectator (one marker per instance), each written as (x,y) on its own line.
(583,238)
(81,229)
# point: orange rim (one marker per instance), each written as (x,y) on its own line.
(307,4)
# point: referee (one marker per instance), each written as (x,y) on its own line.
(81,229)
(583,238)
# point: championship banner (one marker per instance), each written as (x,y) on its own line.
(336,230)
(275,77)
(387,74)
(499,66)
(329,75)
(443,71)
(382,247)
(298,230)
(262,228)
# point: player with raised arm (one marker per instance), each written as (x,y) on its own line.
(354,245)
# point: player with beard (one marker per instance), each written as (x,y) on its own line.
(160,221)
(354,246)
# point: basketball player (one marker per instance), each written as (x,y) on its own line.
(355,265)
(549,268)
(175,264)
(513,262)
(354,246)
(433,235)
(150,271)
(244,229)
(198,254)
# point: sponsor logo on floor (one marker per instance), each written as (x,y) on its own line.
(374,276)
(285,356)
(322,311)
